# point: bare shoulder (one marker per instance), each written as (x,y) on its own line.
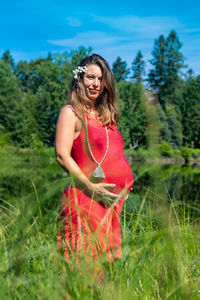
(68,112)
(67,115)
(68,119)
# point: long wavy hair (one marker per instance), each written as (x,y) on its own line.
(106,105)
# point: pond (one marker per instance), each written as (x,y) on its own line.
(22,174)
(177,183)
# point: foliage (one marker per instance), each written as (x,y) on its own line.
(174,128)
(120,70)
(132,113)
(138,68)
(195,153)
(190,113)
(167,63)
(166,149)
(8,59)
(186,153)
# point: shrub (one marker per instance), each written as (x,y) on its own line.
(186,153)
(195,153)
(166,149)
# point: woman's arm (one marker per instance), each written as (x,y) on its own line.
(65,132)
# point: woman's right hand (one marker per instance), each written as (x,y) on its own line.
(100,192)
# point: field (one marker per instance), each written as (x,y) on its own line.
(160,239)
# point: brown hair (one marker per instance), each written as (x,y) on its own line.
(105,105)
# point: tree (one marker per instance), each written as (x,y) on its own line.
(164,127)
(175,128)
(132,121)
(9,97)
(167,62)
(78,55)
(157,75)
(120,70)
(175,62)
(7,58)
(190,113)
(13,114)
(138,68)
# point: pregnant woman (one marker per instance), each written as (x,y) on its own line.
(90,148)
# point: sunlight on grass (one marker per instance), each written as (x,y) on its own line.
(160,240)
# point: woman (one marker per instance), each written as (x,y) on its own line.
(90,148)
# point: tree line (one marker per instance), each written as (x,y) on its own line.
(32,93)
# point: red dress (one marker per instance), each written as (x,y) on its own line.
(89,226)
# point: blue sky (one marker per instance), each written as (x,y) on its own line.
(31,29)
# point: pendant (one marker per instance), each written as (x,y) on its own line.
(98,173)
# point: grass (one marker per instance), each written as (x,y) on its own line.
(160,242)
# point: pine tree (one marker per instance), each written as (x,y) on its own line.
(78,55)
(190,112)
(164,127)
(175,128)
(175,62)
(7,58)
(138,68)
(120,70)
(157,75)
(132,114)
(167,62)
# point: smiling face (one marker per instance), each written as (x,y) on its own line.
(93,83)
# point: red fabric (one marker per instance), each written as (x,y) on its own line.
(88,225)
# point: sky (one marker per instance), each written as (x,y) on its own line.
(31,29)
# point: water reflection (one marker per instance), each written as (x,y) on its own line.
(182,181)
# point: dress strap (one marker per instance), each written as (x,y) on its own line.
(74,110)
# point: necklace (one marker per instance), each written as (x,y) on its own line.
(98,173)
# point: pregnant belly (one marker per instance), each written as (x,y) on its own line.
(120,173)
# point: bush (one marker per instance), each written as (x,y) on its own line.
(4,137)
(176,153)
(166,149)
(195,153)
(186,153)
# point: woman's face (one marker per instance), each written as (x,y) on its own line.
(93,82)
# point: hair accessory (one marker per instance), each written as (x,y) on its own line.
(79,69)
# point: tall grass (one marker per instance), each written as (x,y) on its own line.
(160,242)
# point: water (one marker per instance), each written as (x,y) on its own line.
(20,170)
(179,183)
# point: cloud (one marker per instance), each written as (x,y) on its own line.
(144,26)
(74,22)
(124,36)
(90,38)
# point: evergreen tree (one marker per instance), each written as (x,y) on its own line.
(132,114)
(7,58)
(138,68)
(120,70)
(78,55)
(164,127)
(13,114)
(190,112)
(9,97)
(175,62)
(157,75)
(167,62)
(174,128)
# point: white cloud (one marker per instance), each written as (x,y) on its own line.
(143,26)
(74,22)
(90,38)
(125,36)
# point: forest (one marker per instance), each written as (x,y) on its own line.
(32,94)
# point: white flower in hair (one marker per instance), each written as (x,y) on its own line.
(79,69)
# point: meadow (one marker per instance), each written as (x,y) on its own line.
(160,238)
